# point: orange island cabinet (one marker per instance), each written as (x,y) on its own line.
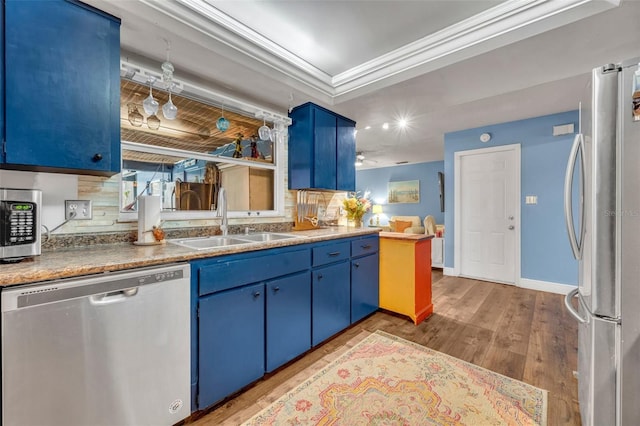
(405,274)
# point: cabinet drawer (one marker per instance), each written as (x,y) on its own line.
(234,273)
(330,253)
(364,246)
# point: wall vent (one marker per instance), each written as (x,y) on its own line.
(563,129)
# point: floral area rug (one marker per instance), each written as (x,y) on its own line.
(386,380)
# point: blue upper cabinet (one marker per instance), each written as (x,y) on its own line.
(322,149)
(62,87)
(346,148)
(1,77)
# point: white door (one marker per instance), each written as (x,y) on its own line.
(487,213)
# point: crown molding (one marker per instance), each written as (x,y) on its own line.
(510,21)
(206,19)
(506,23)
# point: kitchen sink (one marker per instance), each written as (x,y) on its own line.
(266,236)
(217,241)
(203,243)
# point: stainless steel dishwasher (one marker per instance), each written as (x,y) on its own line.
(107,349)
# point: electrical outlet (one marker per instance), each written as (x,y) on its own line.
(78,210)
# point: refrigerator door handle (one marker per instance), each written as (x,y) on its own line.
(567,302)
(577,148)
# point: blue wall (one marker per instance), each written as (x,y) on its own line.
(375,180)
(545,251)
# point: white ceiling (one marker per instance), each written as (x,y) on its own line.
(443,65)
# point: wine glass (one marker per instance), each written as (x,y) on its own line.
(150,105)
(169,110)
(153,122)
(135,118)
(264,132)
(274,134)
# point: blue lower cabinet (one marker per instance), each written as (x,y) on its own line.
(288,319)
(254,312)
(231,342)
(331,301)
(365,275)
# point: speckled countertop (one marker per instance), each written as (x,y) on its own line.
(73,262)
(403,236)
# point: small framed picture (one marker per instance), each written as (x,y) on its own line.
(407,191)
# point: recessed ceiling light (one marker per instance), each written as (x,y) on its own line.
(385,126)
(367,128)
(402,123)
(358,163)
(359,156)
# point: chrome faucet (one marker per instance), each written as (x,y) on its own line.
(222,210)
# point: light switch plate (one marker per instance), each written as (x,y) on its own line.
(531,199)
(81,208)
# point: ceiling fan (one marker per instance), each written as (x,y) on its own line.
(361,159)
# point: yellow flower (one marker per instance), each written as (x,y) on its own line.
(356,207)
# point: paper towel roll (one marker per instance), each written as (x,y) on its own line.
(149,207)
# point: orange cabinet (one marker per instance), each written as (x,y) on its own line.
(405,274)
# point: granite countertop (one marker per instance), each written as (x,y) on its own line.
(403,236)
(73,262)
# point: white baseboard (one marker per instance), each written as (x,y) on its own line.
(448,271)
(546,286)
(530,284)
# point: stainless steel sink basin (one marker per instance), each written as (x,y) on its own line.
(217,241)
(265,236)
(203,243)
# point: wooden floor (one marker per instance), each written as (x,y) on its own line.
(523,334)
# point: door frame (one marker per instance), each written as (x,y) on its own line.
(457,203)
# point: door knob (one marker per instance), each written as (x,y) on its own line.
(512,227)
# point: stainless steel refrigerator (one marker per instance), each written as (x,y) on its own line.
(602,211)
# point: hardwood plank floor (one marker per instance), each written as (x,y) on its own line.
(523,334)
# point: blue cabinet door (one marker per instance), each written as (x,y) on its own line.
(288,319)
(62,87)
(1,81)
(321,149)
(331,301)
(346,149)
(231,342)
(325,161)
(365,275)
(301,143)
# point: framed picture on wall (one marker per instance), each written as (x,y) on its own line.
(407,191)
(441,186)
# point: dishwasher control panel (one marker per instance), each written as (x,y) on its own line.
(161,276)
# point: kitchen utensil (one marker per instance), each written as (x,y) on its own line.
(264,132)
(313,220)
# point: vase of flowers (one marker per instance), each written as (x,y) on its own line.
(356,207)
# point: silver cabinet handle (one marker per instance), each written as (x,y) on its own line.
(570,308)
(576,244)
